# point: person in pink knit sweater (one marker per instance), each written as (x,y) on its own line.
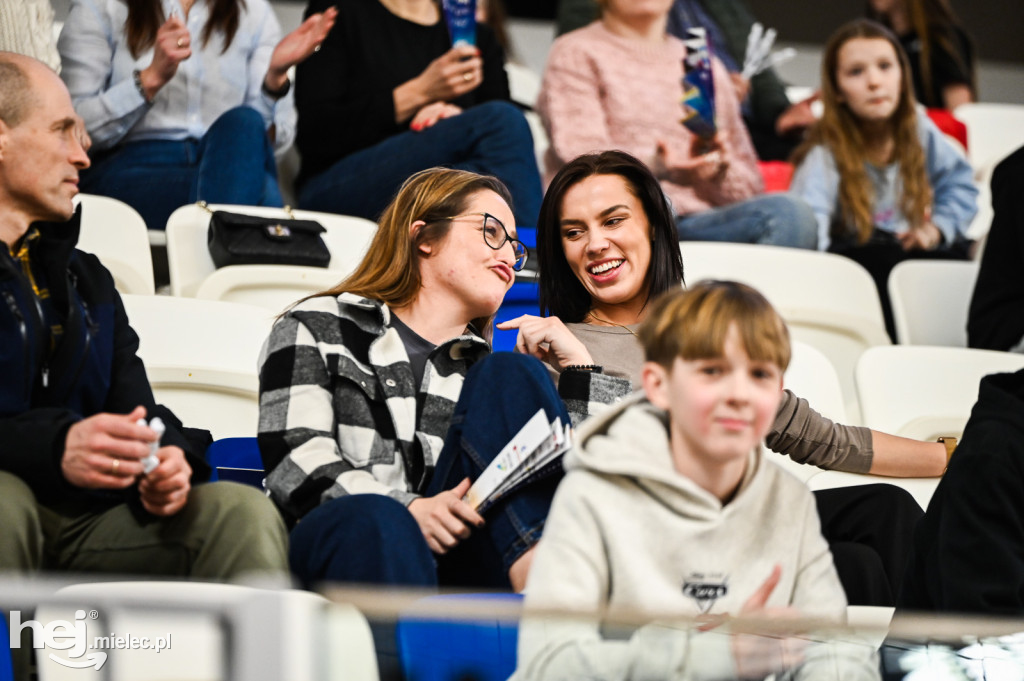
(616,84)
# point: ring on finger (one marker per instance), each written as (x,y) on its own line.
(181,42)
(467,76)
(317,48)
(115,464)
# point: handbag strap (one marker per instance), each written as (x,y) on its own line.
(205,206)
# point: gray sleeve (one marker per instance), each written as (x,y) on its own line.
(808,437)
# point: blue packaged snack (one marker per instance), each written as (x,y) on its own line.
(461,18)
(698,99)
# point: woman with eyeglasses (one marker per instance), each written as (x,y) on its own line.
(380,400)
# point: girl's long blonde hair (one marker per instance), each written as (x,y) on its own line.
(390,271)
(840,132)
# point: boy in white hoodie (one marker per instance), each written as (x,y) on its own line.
(669,510)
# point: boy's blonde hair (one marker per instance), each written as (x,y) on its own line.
(693,324)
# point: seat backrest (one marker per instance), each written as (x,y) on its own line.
(930,299)
(828,301)
(188,257)
(115,233)
(207,631)
(993,130)
(201,358)
(811,376)
(274,287)
(924,392)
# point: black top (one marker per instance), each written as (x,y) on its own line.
(947,68)
(996,317)
(417,347)
(968,552)
(344,92)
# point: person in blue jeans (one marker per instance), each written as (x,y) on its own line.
(185,100)
(380,401)
(388,96)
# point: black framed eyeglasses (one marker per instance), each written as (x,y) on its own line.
(496,236)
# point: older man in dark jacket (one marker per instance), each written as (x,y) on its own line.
(73,492)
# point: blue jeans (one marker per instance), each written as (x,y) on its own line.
(371,538)
(773,219)
(492,138)
(232,163)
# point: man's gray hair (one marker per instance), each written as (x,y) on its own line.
(15,89)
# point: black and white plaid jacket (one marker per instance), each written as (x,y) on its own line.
(338,404)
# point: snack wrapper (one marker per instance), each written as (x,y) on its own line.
(698,86)
(461,18)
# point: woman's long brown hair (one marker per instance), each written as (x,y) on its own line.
(390,270)
(839,130)
(146,16)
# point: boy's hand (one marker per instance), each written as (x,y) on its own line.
(549,340)
(445,519)
(760,655)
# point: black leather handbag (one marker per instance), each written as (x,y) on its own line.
(239,239)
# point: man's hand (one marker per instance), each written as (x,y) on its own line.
(165,490)
(445,519)
(105,451)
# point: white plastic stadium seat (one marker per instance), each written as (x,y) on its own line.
(115,233)
(827,300)
(201,359)
(930,299)
(189,262)
(993,131)
(211,629)
(811,376)
(922,393)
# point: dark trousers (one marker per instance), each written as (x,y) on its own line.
(882,252)
(233,163)
(869,529)
(374,539)
(491,138)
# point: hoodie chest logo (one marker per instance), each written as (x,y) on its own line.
(705,589)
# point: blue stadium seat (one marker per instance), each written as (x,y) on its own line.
(522,298)
(237,459)
(454,649)
(6,671)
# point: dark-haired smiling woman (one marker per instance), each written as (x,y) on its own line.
(184,99)
(607,246)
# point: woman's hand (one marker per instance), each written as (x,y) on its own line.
(297,46)
(549,340)
(431,114)
(173,45)
(445,519)
(708,161)
(453,74)
(924,237)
